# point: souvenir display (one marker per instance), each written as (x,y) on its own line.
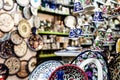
(68,72)
(1,4)
(24,28)
(70,21)
(35,3)
(27,12)
(15,37)
(44,70)
(35,42)
(23,73)
(32,63)
(6,49)
(36,21)
(6,22)
(93,63)
(20,49)
(23,2)
(4,71)
(8,5)
(13,64)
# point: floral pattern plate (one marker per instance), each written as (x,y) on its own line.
(93,63)
(44,70)
(68,72)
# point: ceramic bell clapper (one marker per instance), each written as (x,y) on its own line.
(78,7)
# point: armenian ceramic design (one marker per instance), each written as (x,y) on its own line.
(93,63)
(44,70)
(68,72)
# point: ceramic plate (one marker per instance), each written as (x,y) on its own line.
(70,21)
(23,2)
(13,64)
(1,4)
(24,28)
(21,49)
(27,12)
(35,42)
(8,5)
(4,71)
(6,22)
(35,3)
(6,49)
(93,63)
(44,70)
(68,72)
(15,37)
(36,21)
(34,10)
(4,36)
(23,72)
(32,63)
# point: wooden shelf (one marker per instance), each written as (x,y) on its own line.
(52,33)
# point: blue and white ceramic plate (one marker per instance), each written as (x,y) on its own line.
(44,70)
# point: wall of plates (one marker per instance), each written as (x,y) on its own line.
(28,27)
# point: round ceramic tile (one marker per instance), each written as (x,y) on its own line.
(35,42)
(44,70)
(24,28)
(35,3)
(23,73)
(21,49)
(15,37)
(1,4)
(70,21)
(69,72)
(23,2)
(6,22)
(27,12)
(32,63)
(8,4)
(6,49)
(13,65)
(4,71)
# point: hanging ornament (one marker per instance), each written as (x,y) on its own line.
(78,6)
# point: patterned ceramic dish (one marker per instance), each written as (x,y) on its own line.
(8,5)
(35,42)
(21,49)
(93,63)
(23,72)
(13,64)
(15,37)
(44,70)
(68,72)
(6,49)
(6,22)
(24,28)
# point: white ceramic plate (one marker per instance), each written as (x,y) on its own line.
(34,10)
(27,12)
(70,21)
(8,5)
(44,70)
(1,4)
(35,3)
(23,2)
(6,22)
